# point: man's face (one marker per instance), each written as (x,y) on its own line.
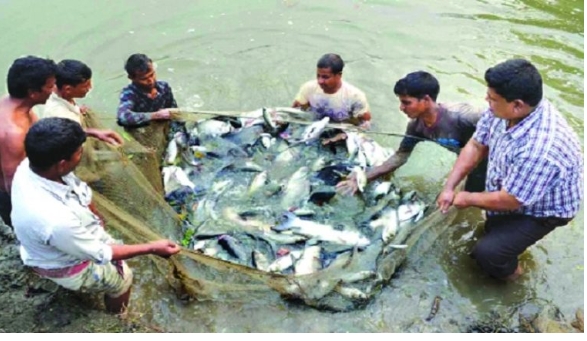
(328,81)
(412,106)
(67,166)
(145,80)
(499,106)
(80,90)
(40,97)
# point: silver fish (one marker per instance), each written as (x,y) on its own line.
(297,188)
(313,131)
(321,232)
(258,181)
(284,262)
(175,178)
(309,261)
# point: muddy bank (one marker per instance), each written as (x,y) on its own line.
(32,304)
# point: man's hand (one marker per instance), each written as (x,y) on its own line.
(335,138)
(365,125)
(348,186)
(445,200)
(83,109)
(164,248)
(108,136)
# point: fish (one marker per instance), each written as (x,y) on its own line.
(434,308)
(260,261)
(231,215)
(321,232)
(269,121)
(171,152)
(352,293)
(322,194)
(174,178)
(296,188)
(312,132)
(213,128)
(284,262)
(361,178)
(233,246)
(258,181)
(309,261)
(381,189)
(388,221)
(333,174)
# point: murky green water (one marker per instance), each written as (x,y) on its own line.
(241,55)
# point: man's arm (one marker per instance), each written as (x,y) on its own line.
(470,156)
(106,135)
(163,248)
(11,155)
(491,201)
(128,118)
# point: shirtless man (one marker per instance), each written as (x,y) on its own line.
(30,82)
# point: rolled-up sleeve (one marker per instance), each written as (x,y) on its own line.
(482,134)
(530,178)
(86,243)
(125,116)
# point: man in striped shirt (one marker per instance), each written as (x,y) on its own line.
(535,171)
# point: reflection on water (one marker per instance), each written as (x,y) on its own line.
(241,55)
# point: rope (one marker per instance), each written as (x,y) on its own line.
(341,126)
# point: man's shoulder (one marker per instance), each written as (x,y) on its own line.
(163,85)
(351,88)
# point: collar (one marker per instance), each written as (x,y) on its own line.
(56,188)
(522,128)
(61,101)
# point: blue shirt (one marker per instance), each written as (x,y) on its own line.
(136,107)
(538,161)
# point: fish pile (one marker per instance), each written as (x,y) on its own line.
(260,192)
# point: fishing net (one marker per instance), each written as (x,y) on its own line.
(129,194)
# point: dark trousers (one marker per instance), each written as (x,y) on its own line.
(508,236)
(5,208)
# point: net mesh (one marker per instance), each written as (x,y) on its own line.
(128,193)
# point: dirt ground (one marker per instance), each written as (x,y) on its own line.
(31,304)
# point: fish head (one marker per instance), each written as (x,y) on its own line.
(287,221)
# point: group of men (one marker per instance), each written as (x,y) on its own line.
(522,161)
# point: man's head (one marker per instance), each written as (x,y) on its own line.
(31,78)
(73,78)
(514,88)
(417,93)
(140,71)
(54,142)
(329,72)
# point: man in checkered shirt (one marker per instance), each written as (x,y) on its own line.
(535,172)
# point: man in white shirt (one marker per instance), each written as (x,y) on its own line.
(329,96)
(61,236)
(74,80)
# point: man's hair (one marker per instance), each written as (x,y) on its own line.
(29,74)
(332,61)
(417,84)
(137,62)
(51,140)
(72,72)
(516,79)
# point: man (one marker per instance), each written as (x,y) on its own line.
(146,99)
(450,125)
(30,81)
(74,80)
(329,96)
(61,236)
(535,171)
